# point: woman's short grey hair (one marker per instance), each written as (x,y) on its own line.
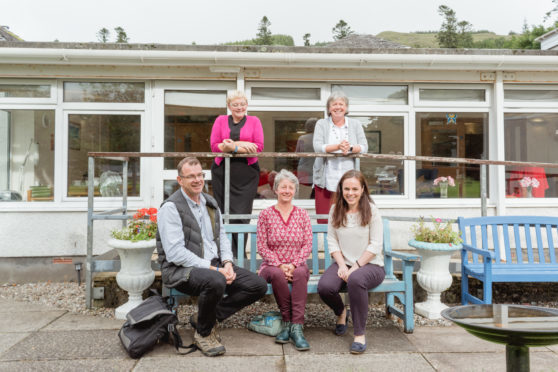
(285,175)
(235,94)
(334,96)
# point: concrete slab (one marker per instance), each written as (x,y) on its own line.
(489,362)
(11,306)
(9,340)
(553,348)
(202,363)
(449,339)
(97,365)
(236,341)
(72,322)
(67,345)
(21,321)
(392,362)
(379,340)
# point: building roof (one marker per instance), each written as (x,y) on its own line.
(365,41)
(7,35)
(547,35)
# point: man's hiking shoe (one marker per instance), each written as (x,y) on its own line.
(194,324)
(208,345)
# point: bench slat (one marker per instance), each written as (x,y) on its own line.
(551,248)
(506,233)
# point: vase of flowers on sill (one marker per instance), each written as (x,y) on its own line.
(135,245)
(528,183)
(435,243)
(443,183)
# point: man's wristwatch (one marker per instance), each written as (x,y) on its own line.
(351,149)
(225,262)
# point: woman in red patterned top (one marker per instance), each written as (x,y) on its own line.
(284,242)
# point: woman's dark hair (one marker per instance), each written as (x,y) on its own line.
(339,215)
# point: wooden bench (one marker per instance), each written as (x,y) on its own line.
(392,286)
(507,249)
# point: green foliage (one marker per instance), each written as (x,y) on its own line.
(278,39)
(341,30)
(103,35)
(264,32)
(139,228)
(438,232)
(121,36)
(447,36)
(306,39)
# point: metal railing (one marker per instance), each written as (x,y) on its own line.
(121,213)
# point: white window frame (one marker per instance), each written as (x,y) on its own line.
(103,105)
(525,105)
(376,107)
(279,103)
(457,104)
(30,100)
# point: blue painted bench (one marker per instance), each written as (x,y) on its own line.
(392,286)
(507,249)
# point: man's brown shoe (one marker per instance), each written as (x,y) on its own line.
(208,345)
(194,324)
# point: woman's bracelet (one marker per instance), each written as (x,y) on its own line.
(357,263)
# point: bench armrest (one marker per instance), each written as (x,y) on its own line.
(482,252)
(403,256)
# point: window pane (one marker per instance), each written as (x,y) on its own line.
(287,132)
(26,155)
(189,117)
(24,91)
(286,93)
(454,135)
(521,95)
(374,94)
(531,138)
(112,133)
(385,136)
(466,95)
(104,92)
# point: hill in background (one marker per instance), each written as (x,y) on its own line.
(428,39)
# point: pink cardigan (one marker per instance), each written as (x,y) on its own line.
(252,131)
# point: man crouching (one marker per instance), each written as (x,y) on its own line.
(196,257)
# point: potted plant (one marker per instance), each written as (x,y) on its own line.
(443,183)
(135,244)
(529,183)
(435,243)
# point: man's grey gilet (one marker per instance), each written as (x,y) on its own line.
(173,275)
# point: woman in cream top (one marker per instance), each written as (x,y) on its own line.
(355,242)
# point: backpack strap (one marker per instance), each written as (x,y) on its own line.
(176,340)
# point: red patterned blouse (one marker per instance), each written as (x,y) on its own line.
(282,242)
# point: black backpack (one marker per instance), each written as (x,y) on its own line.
(149,323)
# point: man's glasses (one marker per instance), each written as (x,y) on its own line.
(192,177)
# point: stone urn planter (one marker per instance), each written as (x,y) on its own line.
(434,275)
(135,273)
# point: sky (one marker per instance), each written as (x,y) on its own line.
(220,21)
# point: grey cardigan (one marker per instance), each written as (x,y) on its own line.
(321,137)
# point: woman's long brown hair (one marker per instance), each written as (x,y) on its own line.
(341,207)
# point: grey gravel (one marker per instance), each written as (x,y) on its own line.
(71,297)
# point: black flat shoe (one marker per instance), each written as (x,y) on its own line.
(341,329)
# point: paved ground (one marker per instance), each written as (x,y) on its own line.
(35,337)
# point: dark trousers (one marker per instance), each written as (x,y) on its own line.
(291,304)
(210,286)
(365,278)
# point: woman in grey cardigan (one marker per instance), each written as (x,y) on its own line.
(336,134)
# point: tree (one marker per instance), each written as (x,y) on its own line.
(447,36)
(306,39)
(103,35)
(465,37)
(341,30)
(121,36)
(264,32)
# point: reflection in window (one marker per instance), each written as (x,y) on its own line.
(266,93)
(26,155)
(464,95)
(106,133)
(189,117)
(453,135)
(374,94)
(104,92)
(385,136)
(531,138)
(287,132)
(24,91)
(535,95)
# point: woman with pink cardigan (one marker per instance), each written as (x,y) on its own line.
(237,133)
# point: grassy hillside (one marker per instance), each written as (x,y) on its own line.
(428,40)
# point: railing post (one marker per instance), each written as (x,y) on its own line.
(89,259)
(227,187)
(483,188)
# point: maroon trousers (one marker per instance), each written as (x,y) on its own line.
(291,304)
(366,277)
(324,200)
